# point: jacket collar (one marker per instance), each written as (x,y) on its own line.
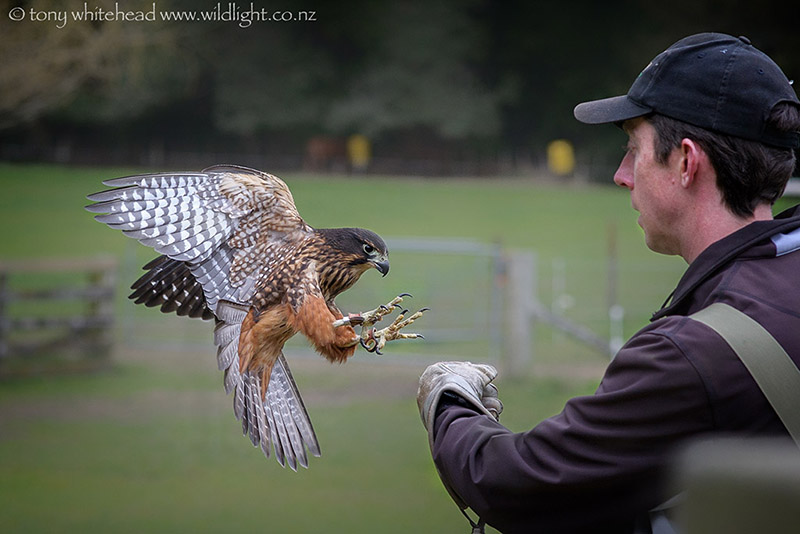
(719,254)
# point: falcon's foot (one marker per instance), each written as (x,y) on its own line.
(374,340)
(367,319)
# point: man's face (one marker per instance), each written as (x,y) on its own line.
(654,187)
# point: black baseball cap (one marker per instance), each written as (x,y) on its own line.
(711,80)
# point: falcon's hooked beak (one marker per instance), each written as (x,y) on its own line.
(382,264)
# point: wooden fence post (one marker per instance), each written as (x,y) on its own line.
(100,310)
(522,292)
(734,486)
(4,322)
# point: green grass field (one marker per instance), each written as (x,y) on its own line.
(150,443)
(46,202)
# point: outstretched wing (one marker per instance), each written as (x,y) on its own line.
(219,230)
(226,223)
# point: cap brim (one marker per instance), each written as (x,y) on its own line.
(608,110)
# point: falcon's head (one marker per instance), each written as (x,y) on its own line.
(357,249)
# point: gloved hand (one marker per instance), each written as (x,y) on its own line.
(471,382)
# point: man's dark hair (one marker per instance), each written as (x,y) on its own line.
(748,172)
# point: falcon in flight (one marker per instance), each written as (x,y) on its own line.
(235,249)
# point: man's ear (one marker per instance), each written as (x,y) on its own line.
(692,159)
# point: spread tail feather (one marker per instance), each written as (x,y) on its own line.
(277,421)
(280,421)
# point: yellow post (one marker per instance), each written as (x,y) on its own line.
(560,157)
(358,152)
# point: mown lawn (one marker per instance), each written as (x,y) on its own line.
(153,447)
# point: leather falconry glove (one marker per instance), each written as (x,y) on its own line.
(471,382)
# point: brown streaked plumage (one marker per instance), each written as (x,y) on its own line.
(235,249)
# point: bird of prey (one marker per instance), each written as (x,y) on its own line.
(235,249)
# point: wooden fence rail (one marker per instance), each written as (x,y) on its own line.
(53,305)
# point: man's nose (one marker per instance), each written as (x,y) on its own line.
(624,175)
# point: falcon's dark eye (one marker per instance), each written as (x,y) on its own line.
(368,249)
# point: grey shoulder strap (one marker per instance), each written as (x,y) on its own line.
(773,370)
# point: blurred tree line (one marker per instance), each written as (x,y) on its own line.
(478,81)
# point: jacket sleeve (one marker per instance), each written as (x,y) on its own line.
(593,464)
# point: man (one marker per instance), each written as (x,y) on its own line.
(712,123)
